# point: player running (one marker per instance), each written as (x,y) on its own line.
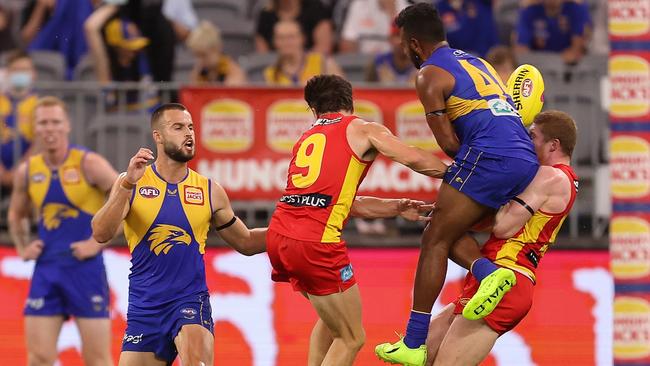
(473,119)
(522,232)
(66,185)
(167,210)
(304,242)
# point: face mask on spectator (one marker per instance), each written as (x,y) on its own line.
(20,80)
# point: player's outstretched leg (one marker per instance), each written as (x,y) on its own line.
(467,342)
(319,343)
(490,292)
(341,313)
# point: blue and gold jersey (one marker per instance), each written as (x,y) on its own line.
(166,229)
(481,111)
(16,127)
(66,203)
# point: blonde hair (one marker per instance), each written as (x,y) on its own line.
(205,36)
(51,101)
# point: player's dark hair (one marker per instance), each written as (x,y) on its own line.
(329,93)
(422,22)
(158,113)
(558,125)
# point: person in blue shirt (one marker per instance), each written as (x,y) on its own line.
(469,24)
(555,26)
(394,66)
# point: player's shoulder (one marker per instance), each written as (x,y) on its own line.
(552,179)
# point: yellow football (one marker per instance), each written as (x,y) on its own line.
(526,87)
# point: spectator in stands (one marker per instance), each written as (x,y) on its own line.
(309,14)
(182,16)
(503,60)
(57,25)
(117,48)
(212,66)
(7,41)
(367,25)
(16,110)
(469,24)
(393,67)
(555,26)
(294,66)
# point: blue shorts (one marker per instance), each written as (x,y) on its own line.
(154,330)
(80,291)
(491,180)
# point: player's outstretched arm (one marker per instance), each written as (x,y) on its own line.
(18,217)
(107,220)
(231,229)
(421,161)
(432,85)
(512,216)
(376,208)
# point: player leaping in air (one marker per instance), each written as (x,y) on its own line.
(473,120)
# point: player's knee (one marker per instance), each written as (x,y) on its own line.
(96,356)
(41,357)
(356,341)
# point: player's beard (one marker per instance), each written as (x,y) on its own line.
(176,153)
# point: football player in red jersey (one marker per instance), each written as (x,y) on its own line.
(304,241)
(521,233)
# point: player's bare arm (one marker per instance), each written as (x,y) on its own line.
(433,85)
(108,219)
(550,191)
(381,139)
(231,229)
(19,217)
(376,208)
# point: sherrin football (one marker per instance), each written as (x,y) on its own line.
(526,87)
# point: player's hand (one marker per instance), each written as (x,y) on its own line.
(413,210)
(138,163)
(85,249)
(32,250)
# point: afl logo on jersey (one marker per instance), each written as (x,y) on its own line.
(149,192)
(193,195)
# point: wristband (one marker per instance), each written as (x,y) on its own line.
(126,185)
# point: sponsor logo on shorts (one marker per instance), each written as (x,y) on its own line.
(149,192)
(412,128)
(629,77)
(311,200)
(227,126)
(35,303)
(631,328)
(629,17)
(71,175)
(286,120)
(193,195)
(630,247)
(135,339)
(188,313)
(98,302)
(527,88)
(346,273)
(630,167)
(38,178)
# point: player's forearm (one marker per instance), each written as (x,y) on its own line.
(374,208)
(246,241)
(426,163)
(107,220)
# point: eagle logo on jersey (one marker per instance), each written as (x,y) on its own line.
(54,213)
(163,237)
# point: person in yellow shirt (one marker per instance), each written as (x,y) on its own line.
(16,114)
(294,66)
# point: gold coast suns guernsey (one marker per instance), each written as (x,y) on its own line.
(526,248)
(322,182)
(166,229)
(66,203)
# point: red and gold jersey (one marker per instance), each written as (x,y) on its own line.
(526,248)
(322,182)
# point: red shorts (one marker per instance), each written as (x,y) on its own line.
(312,267)
(511,310)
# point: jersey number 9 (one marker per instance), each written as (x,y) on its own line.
(309,156)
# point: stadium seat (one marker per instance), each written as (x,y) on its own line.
(237,35)
(354,65)
(50,65)
(85,69)
(118,137)
(219,11)
(254,65)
